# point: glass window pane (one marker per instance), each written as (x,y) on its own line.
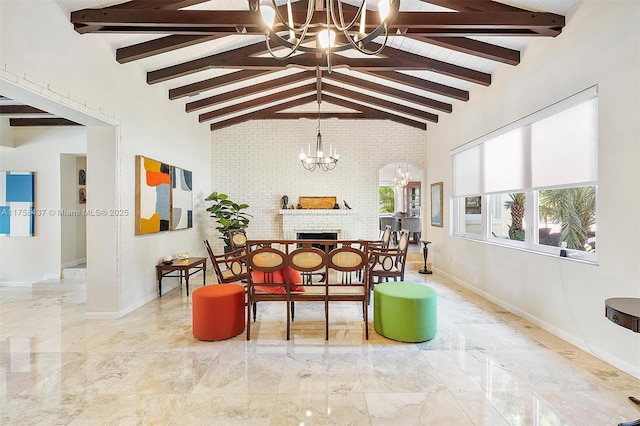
(473,215)
(386,199)
(568,215)
(507,216)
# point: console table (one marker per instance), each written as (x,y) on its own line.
(625,311)
(185,268)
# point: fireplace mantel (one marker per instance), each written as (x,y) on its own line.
(317,220)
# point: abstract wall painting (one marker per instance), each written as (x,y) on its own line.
(17,204)
(181,199)
(153,196)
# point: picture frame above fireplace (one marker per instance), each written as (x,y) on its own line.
(317,202)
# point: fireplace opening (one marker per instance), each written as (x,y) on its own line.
(318,236)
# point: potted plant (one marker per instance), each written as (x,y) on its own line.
(228,214)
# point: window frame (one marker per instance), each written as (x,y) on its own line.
(531,243)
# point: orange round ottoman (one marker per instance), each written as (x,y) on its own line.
(218,311)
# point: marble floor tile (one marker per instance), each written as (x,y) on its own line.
(485,366)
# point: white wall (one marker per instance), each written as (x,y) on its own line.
(81,221)
(599,46)
(42,55)
(257,163)
(73,231)
(29,259)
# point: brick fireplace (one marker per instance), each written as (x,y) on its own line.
(310,221)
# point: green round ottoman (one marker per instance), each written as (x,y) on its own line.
(405,311)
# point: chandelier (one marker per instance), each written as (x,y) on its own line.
(319,160)
(401,177)
(266,11)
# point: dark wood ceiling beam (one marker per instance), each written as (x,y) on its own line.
(41,122)
(251,90)
(21,110)
(475,5)
(382,103)
(177,19)
(214,83)
(273,113)
(158,46)
(434,65)
(201,64)
(374,114)
(319,86)
(264,114)
(156,4)
(208,21)
(422,84)
(290,93)
(473,47)
(389,91)
(324,115)
(490,6)
(395,31)
(140,4)
(307,62)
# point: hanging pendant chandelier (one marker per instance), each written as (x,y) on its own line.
(319,161)
(401,177)
(300,36)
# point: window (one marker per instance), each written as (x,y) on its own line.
(473,215)
(568,216)
(387,197)
(507,216)
(533,184)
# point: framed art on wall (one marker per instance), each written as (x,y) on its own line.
(17,204)
(436,204)
(153,184)
(181,199)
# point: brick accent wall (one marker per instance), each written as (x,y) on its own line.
(257,163)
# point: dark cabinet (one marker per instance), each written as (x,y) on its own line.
(413,199)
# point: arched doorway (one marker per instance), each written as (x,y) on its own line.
(407,199)
(398,201)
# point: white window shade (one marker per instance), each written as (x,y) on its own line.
(564,147)
(506,162)
(467,172)
(557,146)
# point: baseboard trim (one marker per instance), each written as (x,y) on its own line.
(52,276)
(16,283)
(579,343)
(120,313)
(73,263)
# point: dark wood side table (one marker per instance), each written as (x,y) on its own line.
(185,268)
(625,311)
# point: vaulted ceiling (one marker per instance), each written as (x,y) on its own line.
(211,55)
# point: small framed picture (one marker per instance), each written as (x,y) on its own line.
(82,177)
(436,204)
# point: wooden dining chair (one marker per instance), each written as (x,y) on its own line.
(237,238)
(307,261)
(345,280)
(388,263)
(265,280)
(229,267)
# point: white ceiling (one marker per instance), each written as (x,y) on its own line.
(562,7)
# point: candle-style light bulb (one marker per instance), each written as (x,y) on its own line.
(292,35)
